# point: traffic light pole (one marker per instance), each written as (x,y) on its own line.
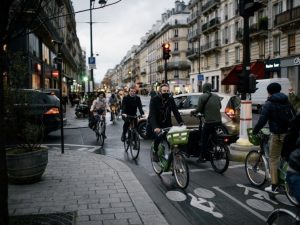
(166,74)
(246,58)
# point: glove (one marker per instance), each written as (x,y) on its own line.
(181,124)
(192,112)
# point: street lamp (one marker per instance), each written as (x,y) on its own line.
(92,61)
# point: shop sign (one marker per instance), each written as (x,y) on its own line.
(297,61)
(273,64)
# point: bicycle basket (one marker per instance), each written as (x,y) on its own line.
(178,138)
(254,139)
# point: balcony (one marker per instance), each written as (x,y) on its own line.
(211,26)
(211,46)
(193,17)
(210,5)
(288,20)
(179,65)
(192,53)
(260,29)
(193,35)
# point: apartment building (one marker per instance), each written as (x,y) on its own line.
(43,24)
(215,42)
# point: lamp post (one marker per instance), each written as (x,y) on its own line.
(102,3)
(58,45)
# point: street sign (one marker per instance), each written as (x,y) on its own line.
(92,62)
(200,77)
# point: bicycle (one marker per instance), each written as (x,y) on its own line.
(173,158)
(217,151)
(100,128)
(113,109)
(257,163)
(132,139)
(283,217)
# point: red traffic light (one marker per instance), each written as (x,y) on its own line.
(166,50)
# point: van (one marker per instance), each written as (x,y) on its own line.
(261,94)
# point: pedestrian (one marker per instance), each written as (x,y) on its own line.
(271,112)
(161,107)
(209,104)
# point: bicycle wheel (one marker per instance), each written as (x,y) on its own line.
(219,158)
(155,165)
(282,217)
(97,132)
(135,144)
(256,169)
(181,170)
(288,194)
(127,141)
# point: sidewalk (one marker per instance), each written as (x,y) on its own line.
(96,189)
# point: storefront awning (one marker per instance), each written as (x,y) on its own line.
(256,68)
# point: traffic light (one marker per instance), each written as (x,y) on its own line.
(242,83)
(252,83)
(166,50)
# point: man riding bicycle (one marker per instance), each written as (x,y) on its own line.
(209,104)
(113,101)
(98,107)
(130,104)
(161,107)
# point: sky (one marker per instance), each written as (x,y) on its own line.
(117,28)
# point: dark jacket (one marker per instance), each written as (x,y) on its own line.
(160,112)
(211,109)
(268,113)
(131,104)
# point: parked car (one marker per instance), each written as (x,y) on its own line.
(44,105)
(230,111)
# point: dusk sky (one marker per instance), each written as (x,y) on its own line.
(119,27)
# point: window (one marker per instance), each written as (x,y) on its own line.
(261,46)
(226,56)
(276,45)
(237,54)
(176,46)
(176,74)
(34,45)
(291,44)
(45,54)
(176,33)
(217,59)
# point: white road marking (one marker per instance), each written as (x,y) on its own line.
(204,193)
(176,196)
(241,204)
(198,170)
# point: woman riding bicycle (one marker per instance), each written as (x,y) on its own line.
(98,108)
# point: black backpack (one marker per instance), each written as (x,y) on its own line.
(285,113)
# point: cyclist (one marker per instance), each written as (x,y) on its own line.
(275,102)
(161,107)
(130,104)
(209,104)
(113,100)
(98,107)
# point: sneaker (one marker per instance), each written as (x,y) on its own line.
(272,189)
(122,138)
(155,157)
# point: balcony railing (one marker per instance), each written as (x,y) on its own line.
(213,45)
(210,5)
(193,16)
(209,26)
(287,17)
(192,53)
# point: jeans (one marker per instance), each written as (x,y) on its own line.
(293,180)
(207,130)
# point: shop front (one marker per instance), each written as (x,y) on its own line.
(290,68)
(272,68)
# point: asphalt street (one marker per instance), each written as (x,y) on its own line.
(210,198)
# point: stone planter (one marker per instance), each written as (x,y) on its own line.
(26,167)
